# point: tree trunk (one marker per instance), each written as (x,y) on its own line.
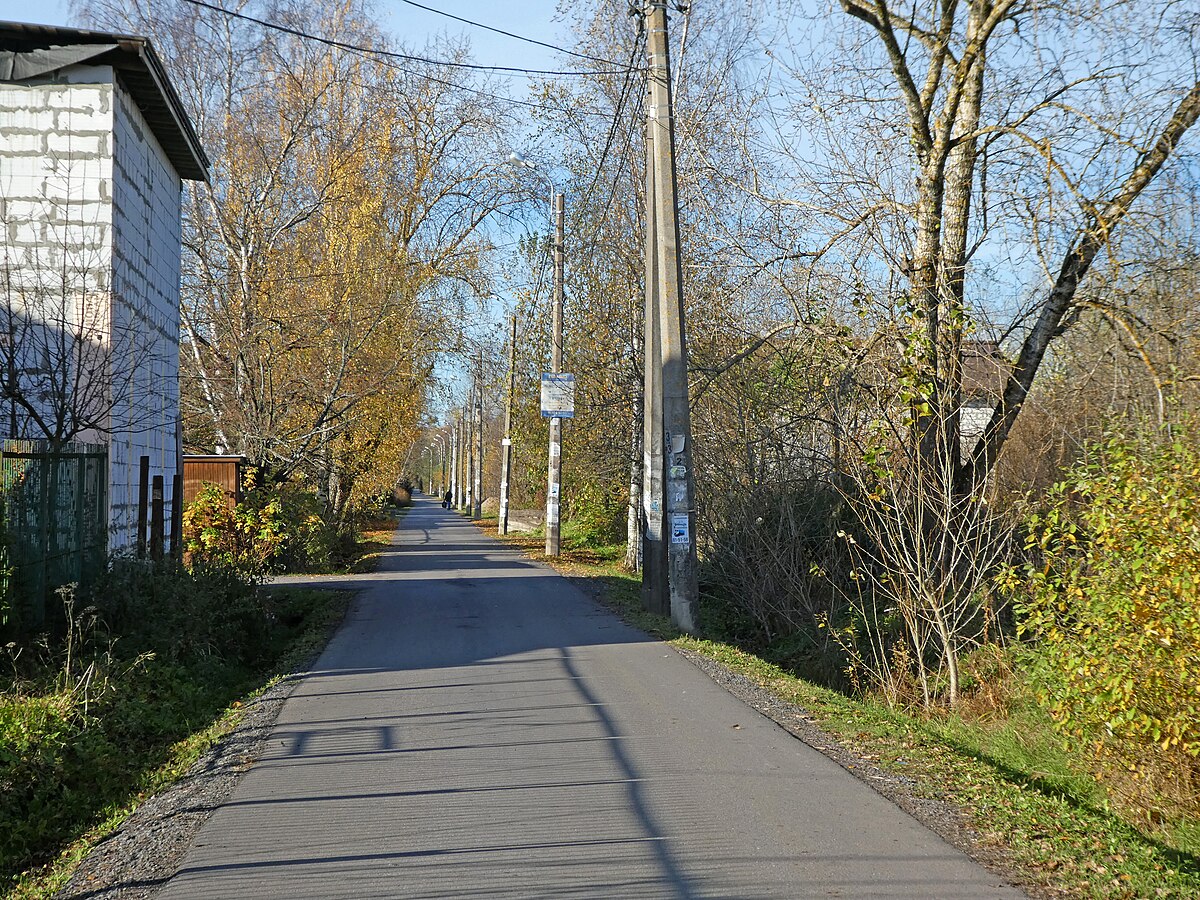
(1093,236)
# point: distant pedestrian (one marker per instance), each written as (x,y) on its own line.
(446,500)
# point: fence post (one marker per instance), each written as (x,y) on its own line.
(38,597)
(81,525)
(157,522)
(143,504)
(177,516)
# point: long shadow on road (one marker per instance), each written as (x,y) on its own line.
(478,727)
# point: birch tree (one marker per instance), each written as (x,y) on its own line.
(342,220)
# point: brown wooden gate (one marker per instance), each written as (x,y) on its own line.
(223,471)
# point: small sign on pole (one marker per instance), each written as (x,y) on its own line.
(558,395)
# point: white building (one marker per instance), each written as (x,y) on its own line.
(94,148)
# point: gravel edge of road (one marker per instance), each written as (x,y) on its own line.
(944,818)
(948,820)
(145,851)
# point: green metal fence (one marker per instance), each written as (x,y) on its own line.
(55,515)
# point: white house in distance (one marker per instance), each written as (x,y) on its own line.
(94,147)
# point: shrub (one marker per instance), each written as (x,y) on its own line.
(773,552)
(1110,597)
(272,528)
(597,515)
(210,611)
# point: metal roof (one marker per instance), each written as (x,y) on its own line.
(44,48)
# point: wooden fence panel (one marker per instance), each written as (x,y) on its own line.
(224,471)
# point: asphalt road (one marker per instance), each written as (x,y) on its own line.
(479,728)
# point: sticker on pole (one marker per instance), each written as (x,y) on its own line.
(558,395)
(679,529)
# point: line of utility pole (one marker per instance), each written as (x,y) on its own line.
(674,473)
(477,510)
(506,442)
(554,474)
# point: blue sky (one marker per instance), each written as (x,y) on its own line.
(411,25)
(414,27)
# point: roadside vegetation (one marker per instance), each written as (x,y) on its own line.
(283,527)
(137,675)
(1071,746)
(151,668)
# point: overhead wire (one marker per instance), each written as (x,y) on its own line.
(624,153)
(509,34)
(376,54)
(393,54)
(616,122)
(387,58)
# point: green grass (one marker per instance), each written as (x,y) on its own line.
(374,538)
(72,773)
(1022,791)
(1028,800)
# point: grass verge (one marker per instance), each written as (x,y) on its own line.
(374,537)
(1031,807)
(72,772)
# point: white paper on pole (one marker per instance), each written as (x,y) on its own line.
(680,533)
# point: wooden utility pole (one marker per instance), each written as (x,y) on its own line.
(554,476)
(655,594)
(506,443)
(679,487)
(477,511)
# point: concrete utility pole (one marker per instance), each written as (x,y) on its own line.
(453,460)
(554,475)
(679,488)
(655,592)
(506,443)
(459,451)
(477,512)
(469,431)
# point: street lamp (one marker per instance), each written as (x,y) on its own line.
(554,464)
(428,450)
(439,442)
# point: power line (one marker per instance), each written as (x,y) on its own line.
(518,37)
(612,131)
(392,54)
(541,107)
(624,156)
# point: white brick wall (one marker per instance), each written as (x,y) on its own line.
(146,250)
(84,181)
